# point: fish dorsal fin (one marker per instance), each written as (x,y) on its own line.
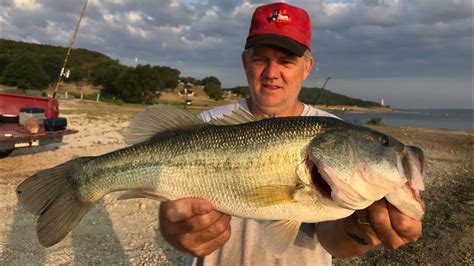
(280,234)
(238,116)
(158,118)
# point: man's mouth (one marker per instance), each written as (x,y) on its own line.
(270,87)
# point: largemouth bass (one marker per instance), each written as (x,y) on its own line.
(291,170)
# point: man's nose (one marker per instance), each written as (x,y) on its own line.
(271,70)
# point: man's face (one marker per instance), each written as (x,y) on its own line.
(275,79)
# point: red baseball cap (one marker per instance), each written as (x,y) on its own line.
(281,25)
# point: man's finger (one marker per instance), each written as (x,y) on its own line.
(365,225)
(380,219)
(210,246)
(214,230)
(202,243)
(183,209)
(199,222)
(406,227)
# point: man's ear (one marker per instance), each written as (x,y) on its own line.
(243,58)
(307,67)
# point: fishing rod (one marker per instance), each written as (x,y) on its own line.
(322,90)
(71,42)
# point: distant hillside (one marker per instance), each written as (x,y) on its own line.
(314,96)
(322,96)
(36,66)
(51,58)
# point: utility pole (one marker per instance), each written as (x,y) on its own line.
(71,42)
(322,90)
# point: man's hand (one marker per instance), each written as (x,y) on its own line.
(191,225)
(379,224)
(382,223)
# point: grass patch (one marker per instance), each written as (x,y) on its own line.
(375,121)
(94,110)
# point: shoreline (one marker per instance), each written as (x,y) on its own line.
(355,109)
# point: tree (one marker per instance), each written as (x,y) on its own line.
(77,74)
(105,75)
(210,79)
(139,84)
(214,91)
(169,76)
(52,65)
(4,61)
(212,86)
(25,72)
(192,80)
(125,84)
(243,91)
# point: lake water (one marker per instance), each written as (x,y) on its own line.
(427,118)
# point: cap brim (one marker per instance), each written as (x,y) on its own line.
(277,41)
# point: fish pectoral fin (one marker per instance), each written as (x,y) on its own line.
(270,195)
(280,234)
(133,194)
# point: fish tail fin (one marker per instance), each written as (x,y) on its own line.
(53,195)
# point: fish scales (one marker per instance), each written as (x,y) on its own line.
(224,163)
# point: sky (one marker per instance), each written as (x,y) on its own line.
(411,53)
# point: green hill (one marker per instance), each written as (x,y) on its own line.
(35,66)
(322,96)
(318,96)
(51,58)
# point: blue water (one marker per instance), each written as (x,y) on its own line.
(426,118)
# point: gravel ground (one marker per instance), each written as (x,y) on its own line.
(126,232)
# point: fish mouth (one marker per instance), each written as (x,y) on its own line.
(412,162)
(318,181)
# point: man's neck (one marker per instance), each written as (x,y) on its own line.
(294,110)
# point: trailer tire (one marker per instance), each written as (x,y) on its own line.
(5,153)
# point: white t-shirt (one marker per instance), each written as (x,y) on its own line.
(220,111)
(246,245)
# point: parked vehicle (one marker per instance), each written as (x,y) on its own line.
(29,121)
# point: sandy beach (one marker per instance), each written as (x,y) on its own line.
(126,232)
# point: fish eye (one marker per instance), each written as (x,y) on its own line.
(384,140)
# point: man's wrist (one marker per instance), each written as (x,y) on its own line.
(341,238)
(356,238)
(351,227)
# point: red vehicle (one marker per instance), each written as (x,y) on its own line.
(14,135)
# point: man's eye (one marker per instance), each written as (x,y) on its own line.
(286,62)
(257,60)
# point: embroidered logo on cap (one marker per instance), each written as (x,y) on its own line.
(279,17)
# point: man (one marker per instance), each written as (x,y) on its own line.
(277,60)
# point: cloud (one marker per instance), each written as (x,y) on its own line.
(133,17)
(394,38)
(352,40)
(30,5)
